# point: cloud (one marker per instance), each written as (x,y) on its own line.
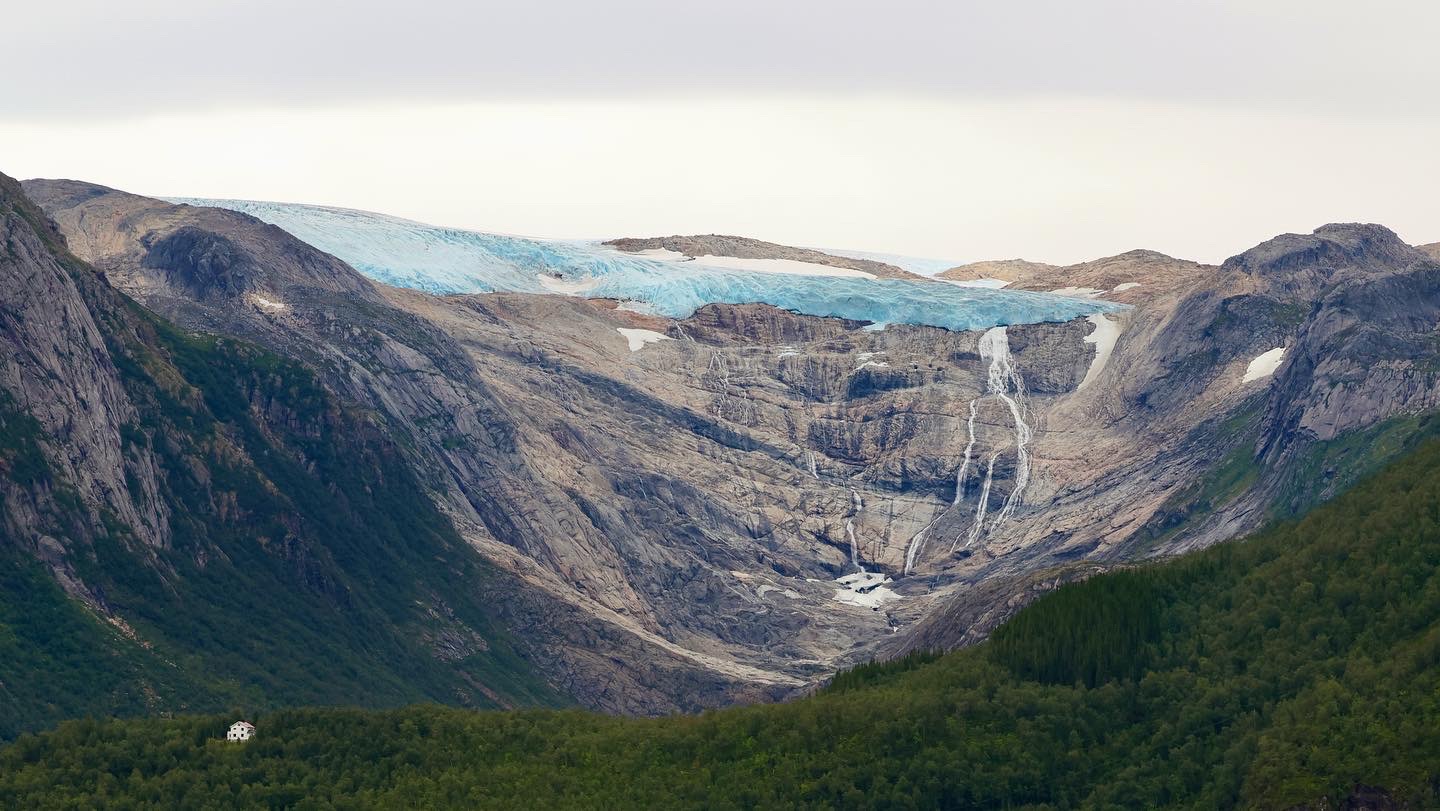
(90,58)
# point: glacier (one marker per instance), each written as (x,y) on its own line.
(404,253)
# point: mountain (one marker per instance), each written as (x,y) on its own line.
(192,521)
(1282,671)
(1233,395)
(664,497)
(729,506)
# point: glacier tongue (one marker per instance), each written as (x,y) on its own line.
(449,260)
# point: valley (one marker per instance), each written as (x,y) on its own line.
(733,503)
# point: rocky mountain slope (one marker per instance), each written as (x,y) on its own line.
(232,531)
(731,506)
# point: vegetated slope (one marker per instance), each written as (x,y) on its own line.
(218,529)
(1299,667)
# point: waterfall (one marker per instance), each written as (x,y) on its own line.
(980,507)
(810,460)
(917,543)
(857,506)
(1003,378)
(1003,382)
(965,465)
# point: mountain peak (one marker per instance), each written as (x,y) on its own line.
(1331,248)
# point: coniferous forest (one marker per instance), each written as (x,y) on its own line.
(1300,667)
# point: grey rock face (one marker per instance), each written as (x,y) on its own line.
(56,369)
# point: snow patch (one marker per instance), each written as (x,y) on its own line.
(1076,292)
(790,266)
(924,266)
(864,589)
(1103,336)
(1122,287)
(566,287)
(639,337)
(1264,364)
(269,305)
(662,254)
(987,284)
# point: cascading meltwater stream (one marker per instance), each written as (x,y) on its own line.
(858,506)
(1004,382)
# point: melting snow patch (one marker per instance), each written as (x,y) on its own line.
(878,364)
(988,284)
(1077,292)
(663,254)
(639,337)
(1103,336)
(865,589)
(1264,364)
(1120,288)
(566,287)
(267,304)
(790,266)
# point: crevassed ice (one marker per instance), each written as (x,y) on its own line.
(449,260)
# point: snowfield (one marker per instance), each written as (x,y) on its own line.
(1104,335)
(1264,364)
(780,266)
(639,337)
(986,284)
(864,589)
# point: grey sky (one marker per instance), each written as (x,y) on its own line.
(1053,130)
(1323,56)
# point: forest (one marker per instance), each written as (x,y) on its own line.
(1300,666)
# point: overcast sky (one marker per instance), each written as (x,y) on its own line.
(1055,131)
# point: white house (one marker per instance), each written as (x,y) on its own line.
(240,731)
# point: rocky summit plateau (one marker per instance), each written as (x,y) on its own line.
(654,474)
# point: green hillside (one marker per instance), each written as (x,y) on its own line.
(1281,670)
(305,563)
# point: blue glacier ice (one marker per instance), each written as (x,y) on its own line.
(449,260)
